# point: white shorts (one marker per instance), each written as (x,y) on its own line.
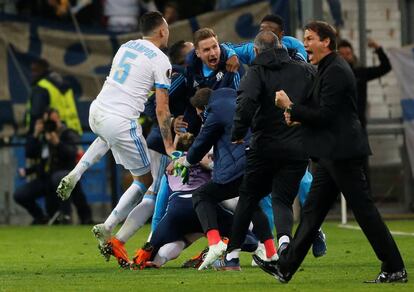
(159,163)
(124,138)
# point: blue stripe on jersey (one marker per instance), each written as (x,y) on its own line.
(159,85)
(161,170)
(138,143)
(236,80)
(177,82)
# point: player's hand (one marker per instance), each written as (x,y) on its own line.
(180,169)
(180,126)
(232,64)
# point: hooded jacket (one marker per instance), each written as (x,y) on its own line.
(272,70)
(229,159)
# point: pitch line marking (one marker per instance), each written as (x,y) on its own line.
(347,226)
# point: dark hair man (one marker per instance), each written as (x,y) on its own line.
(275,24)
(333,136)
(137,67)
(364,74)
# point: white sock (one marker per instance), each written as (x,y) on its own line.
(284,239)
(136,218)
(126,203)
(93,154)
(168,252)
(234,254)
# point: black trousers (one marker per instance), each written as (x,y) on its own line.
(206,198)
(348,177)
(263,175)
(27,194)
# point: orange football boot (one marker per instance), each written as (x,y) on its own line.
(116,248)
(142,256)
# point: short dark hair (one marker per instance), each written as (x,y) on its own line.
(324,30)
(345,44)
(150,21)
(175,53)
(201,98)
(203,34)
(275,19)
(42,63)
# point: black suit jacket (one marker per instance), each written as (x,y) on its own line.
(329,114)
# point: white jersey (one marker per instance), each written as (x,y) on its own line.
(137,67)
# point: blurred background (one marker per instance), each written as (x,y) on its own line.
(78,39)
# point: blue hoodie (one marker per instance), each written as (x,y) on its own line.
(229,159)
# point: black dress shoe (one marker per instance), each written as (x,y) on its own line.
(272,268)
(396,277)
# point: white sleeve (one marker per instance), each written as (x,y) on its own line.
(162,74)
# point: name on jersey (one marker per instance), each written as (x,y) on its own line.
(141,48)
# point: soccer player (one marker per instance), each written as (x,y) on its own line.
(138,66)
(275,24)
(180,227)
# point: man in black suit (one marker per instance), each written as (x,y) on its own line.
(333,137)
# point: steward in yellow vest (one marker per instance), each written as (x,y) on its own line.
(50,91)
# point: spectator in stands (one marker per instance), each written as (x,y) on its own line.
(53,146)
(50,90)
(336,12)
(228,4)
(122,15)
(170,12)
(364,74)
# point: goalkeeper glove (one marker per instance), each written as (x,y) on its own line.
(181,169)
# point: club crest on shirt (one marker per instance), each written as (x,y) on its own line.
(219,76)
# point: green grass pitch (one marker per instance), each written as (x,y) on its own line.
(66,258)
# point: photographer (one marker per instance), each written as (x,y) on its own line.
(54,149)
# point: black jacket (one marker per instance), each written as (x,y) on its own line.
(271,71)
(329,115)
(59,157)
(365,74)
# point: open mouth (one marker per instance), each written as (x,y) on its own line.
(310,54)
(213,61)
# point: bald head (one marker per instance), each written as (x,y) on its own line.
(266,40)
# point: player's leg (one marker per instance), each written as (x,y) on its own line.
(144,210)
(130,150)
(92,155)
(179,220)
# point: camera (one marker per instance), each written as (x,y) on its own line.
(50,126)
